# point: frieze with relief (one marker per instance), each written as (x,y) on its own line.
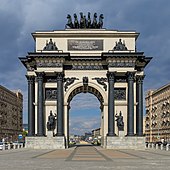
(51,93)
(120,93)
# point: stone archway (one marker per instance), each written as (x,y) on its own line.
(99,96)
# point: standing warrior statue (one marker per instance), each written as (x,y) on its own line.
(51,122)
(120,123)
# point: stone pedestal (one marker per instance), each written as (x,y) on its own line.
(48,142)
(134,142)
(50,134)
(121,133)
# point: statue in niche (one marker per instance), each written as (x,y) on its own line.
(51,121)
(120,123)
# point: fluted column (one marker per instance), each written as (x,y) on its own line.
(139,107)
(31,107)
(130,116)
(111,119)
(40,105)
(60,110)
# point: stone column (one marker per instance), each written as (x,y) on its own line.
(130,116)
(139,107)
(111,118)
(31,107)
(60,102)
(40,105)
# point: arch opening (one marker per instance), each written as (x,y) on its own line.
(85,116)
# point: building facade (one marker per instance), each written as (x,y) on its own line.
(102,62)
(157,121)
(11,106)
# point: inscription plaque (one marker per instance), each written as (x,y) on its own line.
(85,45)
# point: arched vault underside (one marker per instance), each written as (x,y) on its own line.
(89,89)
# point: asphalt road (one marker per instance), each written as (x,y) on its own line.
(84,158)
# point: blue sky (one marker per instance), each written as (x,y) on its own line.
(19,18)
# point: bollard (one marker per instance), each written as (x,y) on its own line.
(162,147)
(15,146)
(167,147)
(157,147)
(21,145)
(152,145)
(3,147)
(9,146)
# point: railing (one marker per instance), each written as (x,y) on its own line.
(160,146)
(12,146)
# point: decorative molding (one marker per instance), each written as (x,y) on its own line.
(51,93)
(51,46)
(121,64)
(49,64)
(87,67)
(68,81)
(120,93)
(101,81)
(120,46)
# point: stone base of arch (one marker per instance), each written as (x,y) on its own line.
(57,142)
(134,142)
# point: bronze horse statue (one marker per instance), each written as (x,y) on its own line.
(76,22)
(94,24)
(69,22)
(100,24)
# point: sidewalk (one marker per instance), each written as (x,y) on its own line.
(84,158)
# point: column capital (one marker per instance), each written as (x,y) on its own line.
(30,78)
(139,78)
(111,75)
(130,76)
(60,75)
(40,75)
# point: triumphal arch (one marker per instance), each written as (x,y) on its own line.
(85,58)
